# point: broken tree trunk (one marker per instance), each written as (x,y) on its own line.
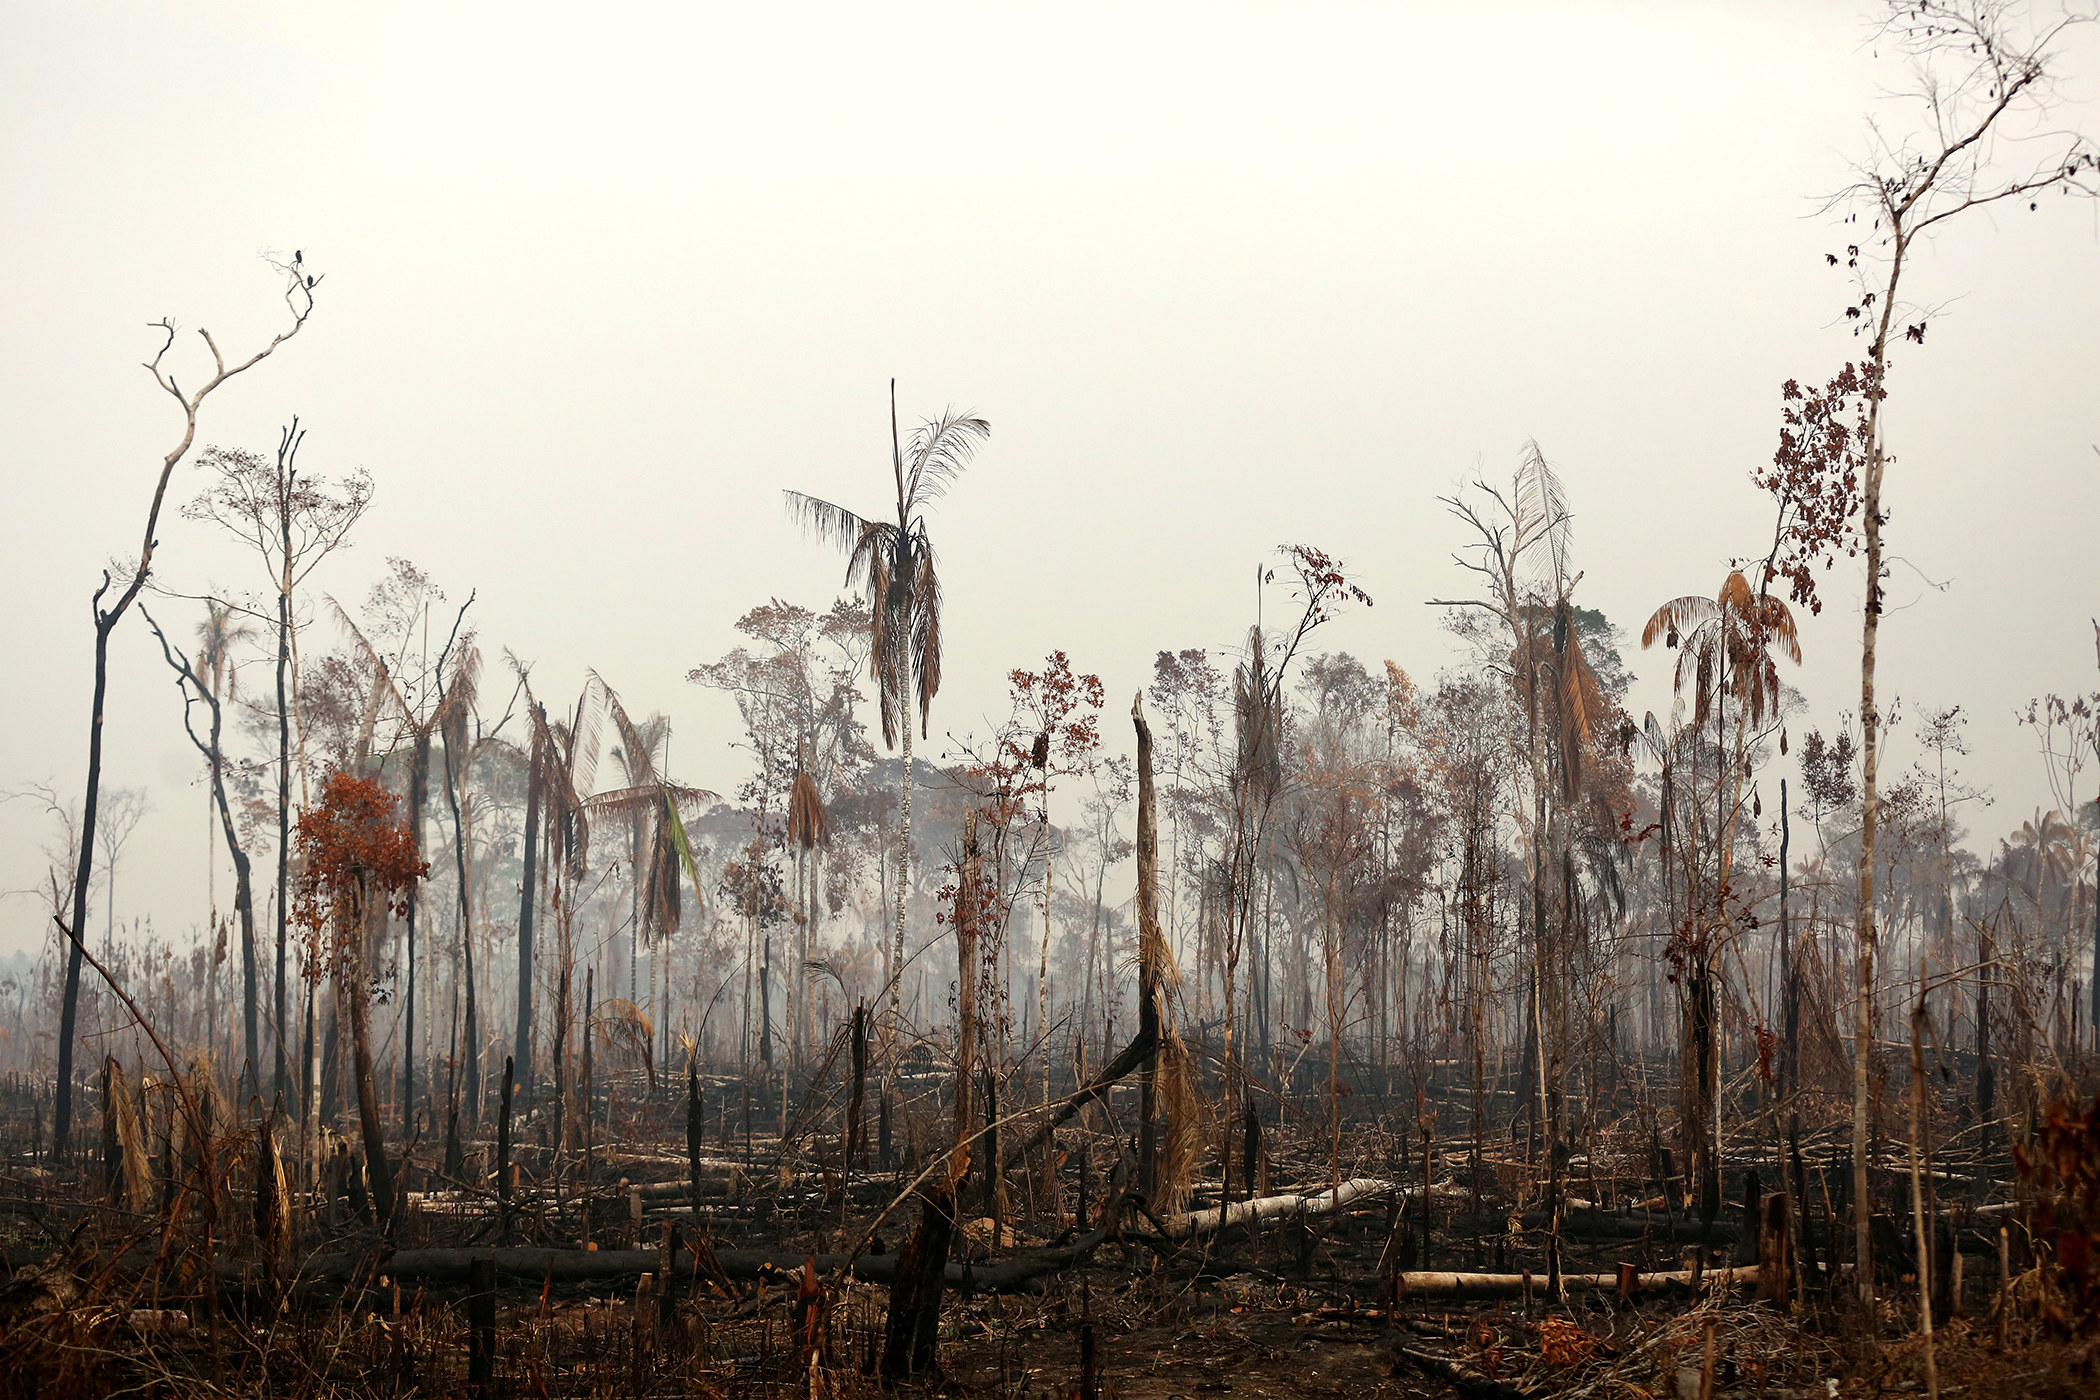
(1350,1192)
(1772,1253)
(1151,950)
(915,1293)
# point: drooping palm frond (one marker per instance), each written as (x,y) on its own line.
(392,690)
(636,749)
(1677,617)
(940,451)
(662,907)
(872,554)
(1257,748)
(675,825)
(926,634)
(568,822)
(1187,1129)
(833,524)
(888,662)
(1581,702)
(622,1024)
(809,825)
(461,688)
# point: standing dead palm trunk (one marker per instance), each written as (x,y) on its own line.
(892,561)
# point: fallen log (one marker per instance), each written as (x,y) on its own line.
(1455,1285)
(1329,1202)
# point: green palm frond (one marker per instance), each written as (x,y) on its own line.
(675,825)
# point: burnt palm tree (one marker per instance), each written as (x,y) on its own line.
(892,562)
(658,848)
(1725,645)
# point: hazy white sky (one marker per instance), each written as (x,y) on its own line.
(601,280)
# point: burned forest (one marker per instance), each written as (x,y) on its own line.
(1565,938)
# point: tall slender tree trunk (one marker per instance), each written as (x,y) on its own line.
(527,899)
(903,886)
(284,796)
(62,1107)
(354,991)
(244,909)
(471,1044)
(1042,976)
(1870,813)
(418,797)
(1789,1003)
(1151,955)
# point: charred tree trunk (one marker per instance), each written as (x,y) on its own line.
(62,1109)
(353,991)
(243,882)
(418,796)
(521,1050)
(1151,948)
(284,779)
(470,1044)
(915,1294)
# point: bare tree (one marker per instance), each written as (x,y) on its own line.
(114,825)
(1983,86)
(292,521)
(299,301)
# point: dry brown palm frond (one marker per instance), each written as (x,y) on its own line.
(1582,708)
(1187,1125)
(124,1147)
(460,690)
(623,1025)
(809,825)
(273,1213)
(926,634)
(1254,711)
(637,748)
(1675,618)
(833,524)
(567,820)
